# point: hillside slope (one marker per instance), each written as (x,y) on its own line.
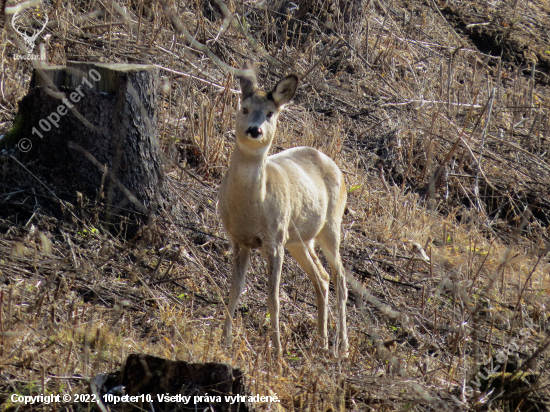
(438,115)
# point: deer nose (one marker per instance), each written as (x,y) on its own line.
(254,131)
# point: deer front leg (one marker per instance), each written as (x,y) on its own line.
(241,258)
(274,266)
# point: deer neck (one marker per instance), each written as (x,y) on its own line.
(247,171)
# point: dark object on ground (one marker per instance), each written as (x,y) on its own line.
(147,375)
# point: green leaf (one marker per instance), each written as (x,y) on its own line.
(353,188)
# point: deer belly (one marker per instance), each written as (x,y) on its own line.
(305,225)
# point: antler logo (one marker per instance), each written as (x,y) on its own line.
(20,25)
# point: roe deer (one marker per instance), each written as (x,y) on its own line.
(290,199)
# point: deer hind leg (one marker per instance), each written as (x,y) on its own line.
(329,240)
(306,257)
(241,258)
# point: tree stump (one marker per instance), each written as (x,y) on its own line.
(152,376)
(93,127)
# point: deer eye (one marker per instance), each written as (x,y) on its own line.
(245,110)
(270,115)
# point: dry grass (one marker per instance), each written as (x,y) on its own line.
(441,145)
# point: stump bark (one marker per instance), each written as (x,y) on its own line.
(93,127)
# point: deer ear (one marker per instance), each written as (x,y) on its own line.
(249,83)
(284,91)
(248,86)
